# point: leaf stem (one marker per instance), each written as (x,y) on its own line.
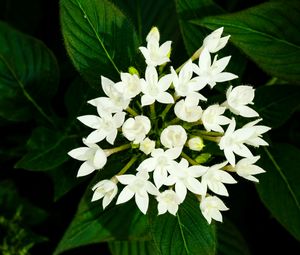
(131,111)
(193,162)
(128,165)
(117,149)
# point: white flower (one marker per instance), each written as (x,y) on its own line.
(215,177)
(93,155)
(106,125)
(115,102)
(246,168)
(132,85)
(196,143)
(154,89)
(214,42)
(137,186)
(255,139)
(173,136)
(160,162)
(184,84)
(106,189)
(188,109)
(168,201)
(237,100)
(135,129)
(211,206)
(233,142)
(184,177)
(212,118)
(147,146)
(211,73)
(154,54)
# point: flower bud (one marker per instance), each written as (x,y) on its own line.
(196,143)
(132,70)
(147,146)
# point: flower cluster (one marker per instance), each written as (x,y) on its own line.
(167,128)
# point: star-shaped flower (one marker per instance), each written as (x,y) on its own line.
(184,178)
(93,156)
(160,162)
(154,89)
(137,186)
(106,189)
(168,201)
(212,118)
(214,178)
(188,109)
(214,42)
(246,168)
(106,126)
(237,100)
(211,206)
(211,73)
(154,54)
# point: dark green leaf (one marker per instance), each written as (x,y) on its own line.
(194,9)
(230,240)
(93,225)
(132,248)
(277,103)
(47,149)
(279,187)
(186,233)
(99,38)
(273,43)
(28,75)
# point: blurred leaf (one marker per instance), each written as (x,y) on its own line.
(230,240)
(194,9)
(132,248)
(93,225)
(186,233)
(276,103)
(98,37)
(28,75)
(148,13)
(279,187)
(46,149)
(11,201)
(272,43)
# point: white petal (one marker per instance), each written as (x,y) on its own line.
(195,186)
(225,76)
(96,136)
(147,100)
(165,98)
(100,159)
(173,153)
(111,137)
(180,190)
(91,121)
(125,195)
(81,153)
(85,169)
(126,178)
(142,202)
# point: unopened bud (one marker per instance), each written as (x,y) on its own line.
(196,143)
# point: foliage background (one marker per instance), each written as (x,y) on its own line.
(41,93)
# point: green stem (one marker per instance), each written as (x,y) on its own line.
(128,165)
(229,168)
(190,160)
(152,111)
(174,121)
(211,138)
(165,111)
(117,149)
(131,111)
(208,133)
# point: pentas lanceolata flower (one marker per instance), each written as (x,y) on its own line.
(168,125)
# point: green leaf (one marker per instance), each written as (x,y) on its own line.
(92,225)
(186,233)
(279,187)
(276,103)
(272,43)
(132,248)
(230,240)
(28,76)
(193,35)
(46,149)
(99,38)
